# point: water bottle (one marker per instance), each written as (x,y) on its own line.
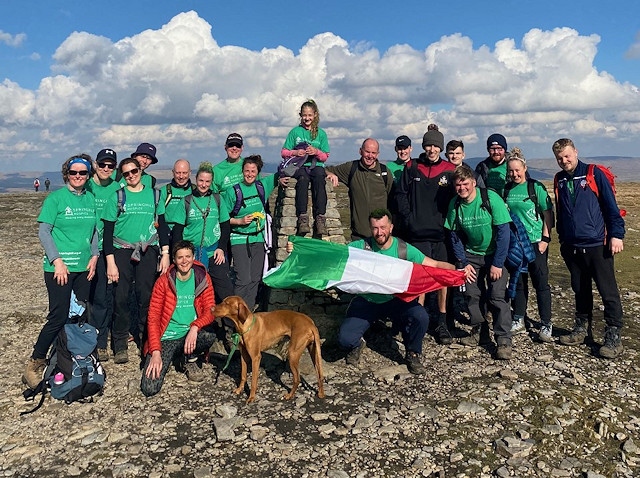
(58,379)
(463,287)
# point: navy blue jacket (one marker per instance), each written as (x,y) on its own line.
(585,221)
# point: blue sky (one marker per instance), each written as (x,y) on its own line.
(77,76)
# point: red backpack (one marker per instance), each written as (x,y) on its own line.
(591,181)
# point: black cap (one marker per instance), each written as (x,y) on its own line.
(234,139)
(107,155)
(403,142)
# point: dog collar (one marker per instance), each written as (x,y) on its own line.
(235,339)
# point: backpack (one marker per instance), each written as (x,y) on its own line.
(74,355)
(240,198)
(289,166)
(591,182)
(402,247)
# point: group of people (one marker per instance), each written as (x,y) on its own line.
(110,234)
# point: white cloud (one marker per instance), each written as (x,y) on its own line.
(12,40)
(177,88)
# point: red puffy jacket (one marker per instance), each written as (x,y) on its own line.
(164,300)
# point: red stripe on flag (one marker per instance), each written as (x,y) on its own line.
(427,279)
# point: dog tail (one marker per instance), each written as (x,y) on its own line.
(316,358)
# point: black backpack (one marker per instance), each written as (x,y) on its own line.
(74,355)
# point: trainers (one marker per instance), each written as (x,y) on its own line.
(504,352)
(612,346)
(303,224)
(353,357)
(121,356)
(577,335)
(193,372)
(413,363)
(546,334)
(443,336)
(320,225)
(103,355)
(518,326)
(33,372)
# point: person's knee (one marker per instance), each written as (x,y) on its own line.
(348,338)
(149,388)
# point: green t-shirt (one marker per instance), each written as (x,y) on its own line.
(253,232)
(137,222)
(476,223)
(396,168)
(226,174)
(102,194)
(302,135)
(185,312)
(497,176)
(174,209)
(520,205)
(73,217)
(413,255)
(200,208)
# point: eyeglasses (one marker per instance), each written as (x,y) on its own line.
(131,172)
(73,172)
(106,165)
(496,149)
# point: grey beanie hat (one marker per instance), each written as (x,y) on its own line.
(433,137)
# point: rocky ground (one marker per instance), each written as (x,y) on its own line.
(550,411)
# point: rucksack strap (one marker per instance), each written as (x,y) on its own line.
(240,197)
(169,195)
(402,246)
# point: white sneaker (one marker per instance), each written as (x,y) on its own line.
(517,326)
(546,333)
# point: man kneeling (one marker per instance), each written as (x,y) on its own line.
(410,318)
(180,307)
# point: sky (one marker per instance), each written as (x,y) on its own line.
(79,76)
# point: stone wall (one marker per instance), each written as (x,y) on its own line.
(326,308)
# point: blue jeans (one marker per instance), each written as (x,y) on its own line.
(410,317)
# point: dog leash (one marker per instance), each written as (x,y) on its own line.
(235,339)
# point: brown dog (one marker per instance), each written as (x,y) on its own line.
(262,330)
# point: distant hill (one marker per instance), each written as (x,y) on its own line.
(625,168)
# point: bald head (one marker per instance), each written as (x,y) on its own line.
(181,172)
(369,153)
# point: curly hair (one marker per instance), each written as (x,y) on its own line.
(253,159)
(67,164)
(316,120)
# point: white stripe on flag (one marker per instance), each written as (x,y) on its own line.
(373,273)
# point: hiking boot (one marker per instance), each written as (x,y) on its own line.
(479,335)
(103,355)
(612,346)
(546,334)
(303,224)
(413,363)
(33,372)
(577,335)
(443,336)
(353,357)
(121,356)
(193,372)
(320,225)
(504,351)
(518,326)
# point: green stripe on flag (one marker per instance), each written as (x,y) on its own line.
(313,263)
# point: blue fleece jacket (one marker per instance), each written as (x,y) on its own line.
(583,219)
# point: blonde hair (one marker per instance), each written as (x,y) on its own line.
(516,155)
(316,120)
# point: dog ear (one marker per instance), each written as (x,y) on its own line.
(243,311)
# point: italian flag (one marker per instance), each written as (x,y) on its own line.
(321,265)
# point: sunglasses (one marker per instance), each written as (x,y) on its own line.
(131,172)
(106,165)
(73,172)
